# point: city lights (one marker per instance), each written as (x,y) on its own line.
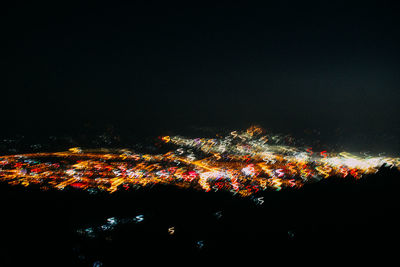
(243,163)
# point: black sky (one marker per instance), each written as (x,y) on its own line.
(287,65)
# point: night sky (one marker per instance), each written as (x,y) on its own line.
(146,66)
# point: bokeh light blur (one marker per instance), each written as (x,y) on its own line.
(243,163)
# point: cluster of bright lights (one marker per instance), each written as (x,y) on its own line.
(241,162)
(110,224)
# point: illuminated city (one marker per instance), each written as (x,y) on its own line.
(236,133)
(243,163)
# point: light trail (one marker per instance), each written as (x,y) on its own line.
(243,163)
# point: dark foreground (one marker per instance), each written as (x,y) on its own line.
(333,220)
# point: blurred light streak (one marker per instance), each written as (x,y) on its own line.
(242,163)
